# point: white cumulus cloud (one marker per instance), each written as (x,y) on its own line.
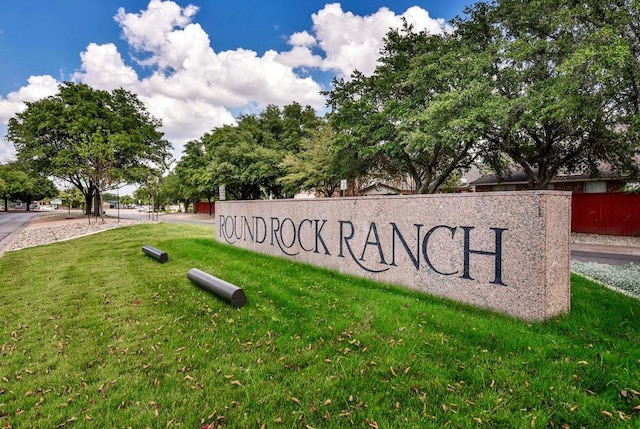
(103,68)
(37,87)
(147,30)
(193,89)
(302,39)
(353,42)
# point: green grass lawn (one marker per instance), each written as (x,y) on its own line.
(96,334)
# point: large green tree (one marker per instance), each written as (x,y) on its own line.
(96,140)
(36,188)
(561,86)
(194,181)
(174,189)
(404,119)
(546,86)
(317,167)
(18,183)
(3,191)
(12,181)
(247,158)
(239,160)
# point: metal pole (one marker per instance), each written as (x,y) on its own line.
(118,193)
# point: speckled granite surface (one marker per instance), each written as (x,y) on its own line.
(506,251)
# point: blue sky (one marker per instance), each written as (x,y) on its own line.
(197,64)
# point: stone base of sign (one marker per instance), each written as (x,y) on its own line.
(506,251)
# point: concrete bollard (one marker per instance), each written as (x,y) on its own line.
(156,254)
(230,293)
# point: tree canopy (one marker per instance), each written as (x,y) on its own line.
(420,112)
(247,158)
(546,86)
(93,139)
(316,167)
(557,85)
(18,183)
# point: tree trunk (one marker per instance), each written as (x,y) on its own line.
(210,205)
(88,199)
(97,205)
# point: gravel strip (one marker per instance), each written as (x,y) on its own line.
(609,240)
(621,278)
(37,235)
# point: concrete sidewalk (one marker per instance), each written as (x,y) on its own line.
(195,218)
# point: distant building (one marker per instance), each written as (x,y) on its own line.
(576,183)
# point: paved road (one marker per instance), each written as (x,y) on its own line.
(201,219)
(11,223)
(605,254)
(604,258)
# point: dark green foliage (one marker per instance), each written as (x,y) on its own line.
(547,87)
(318,166)
(421,114)
(18,183)
(95,140)
(563,96)
(247,158)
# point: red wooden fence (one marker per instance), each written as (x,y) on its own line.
(203,207)
(607,214)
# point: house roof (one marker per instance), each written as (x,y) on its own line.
(516,177)
(379,188)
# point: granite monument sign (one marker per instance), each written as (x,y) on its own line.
(507,251)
